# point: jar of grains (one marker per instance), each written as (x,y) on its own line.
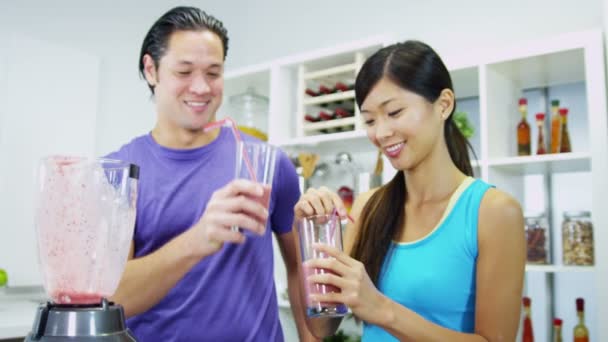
(577,238)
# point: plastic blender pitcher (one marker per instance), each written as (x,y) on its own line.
(85,217)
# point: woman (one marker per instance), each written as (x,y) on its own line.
(434,255)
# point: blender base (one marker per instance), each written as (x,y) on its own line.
(101,322)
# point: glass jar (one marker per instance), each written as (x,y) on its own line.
(537,239)
(577,238)
(250,111)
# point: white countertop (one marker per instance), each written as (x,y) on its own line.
(17,311)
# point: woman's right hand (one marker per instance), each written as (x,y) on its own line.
(318,202)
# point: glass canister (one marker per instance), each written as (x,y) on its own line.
(537,239)
(577,238)
(250,111)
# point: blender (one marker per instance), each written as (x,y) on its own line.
(85,217)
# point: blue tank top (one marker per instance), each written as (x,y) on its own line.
(435,276)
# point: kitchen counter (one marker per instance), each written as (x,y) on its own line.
(18,309)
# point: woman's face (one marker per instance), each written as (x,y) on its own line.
(404,125)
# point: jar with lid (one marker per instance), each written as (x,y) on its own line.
(250,111)
(577,238)
(537,239)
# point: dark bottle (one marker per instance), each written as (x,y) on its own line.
(565,143)
(523,130)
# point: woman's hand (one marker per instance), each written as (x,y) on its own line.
(357,290)
(318,202)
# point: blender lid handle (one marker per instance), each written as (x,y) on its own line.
(133,171)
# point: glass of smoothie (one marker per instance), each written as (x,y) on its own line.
(321,229)
(256,161)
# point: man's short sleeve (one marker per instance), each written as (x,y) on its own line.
(286,189)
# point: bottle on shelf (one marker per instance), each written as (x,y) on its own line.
(523,130)
(325,116)
(347,195)
(556,127)
(343,113)
(557,330)
(565,143)
(540,122)
(311,92)
(581,333)
(310,118)
(324,90)
(527,331)
(341,86)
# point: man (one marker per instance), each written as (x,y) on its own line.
(189,276)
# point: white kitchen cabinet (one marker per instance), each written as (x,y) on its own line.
(488,83)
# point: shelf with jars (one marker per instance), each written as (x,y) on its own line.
(523,155)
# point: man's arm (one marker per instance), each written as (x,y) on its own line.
(146,280)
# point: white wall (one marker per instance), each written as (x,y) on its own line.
(49,106)
(294,26)
(268,29)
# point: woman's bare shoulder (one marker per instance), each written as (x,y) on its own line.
(499,212)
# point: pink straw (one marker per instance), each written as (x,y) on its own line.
(332,222)
(237,137)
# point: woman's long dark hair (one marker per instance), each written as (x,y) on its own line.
(416,67)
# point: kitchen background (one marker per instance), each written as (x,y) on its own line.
(68,73)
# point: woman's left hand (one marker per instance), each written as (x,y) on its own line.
(357,290)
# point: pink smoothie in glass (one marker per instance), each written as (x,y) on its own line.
(315,288)
(320,309)
(265,198)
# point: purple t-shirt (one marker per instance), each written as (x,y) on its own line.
(230,295)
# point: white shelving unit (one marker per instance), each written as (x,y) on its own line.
(563,162)
(558,268)
(487,87)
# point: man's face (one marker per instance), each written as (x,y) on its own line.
(188,82)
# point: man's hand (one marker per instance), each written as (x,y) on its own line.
(237,204)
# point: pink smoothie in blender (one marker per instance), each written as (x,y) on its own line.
(85,218)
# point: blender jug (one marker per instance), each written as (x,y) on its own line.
(85,217)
